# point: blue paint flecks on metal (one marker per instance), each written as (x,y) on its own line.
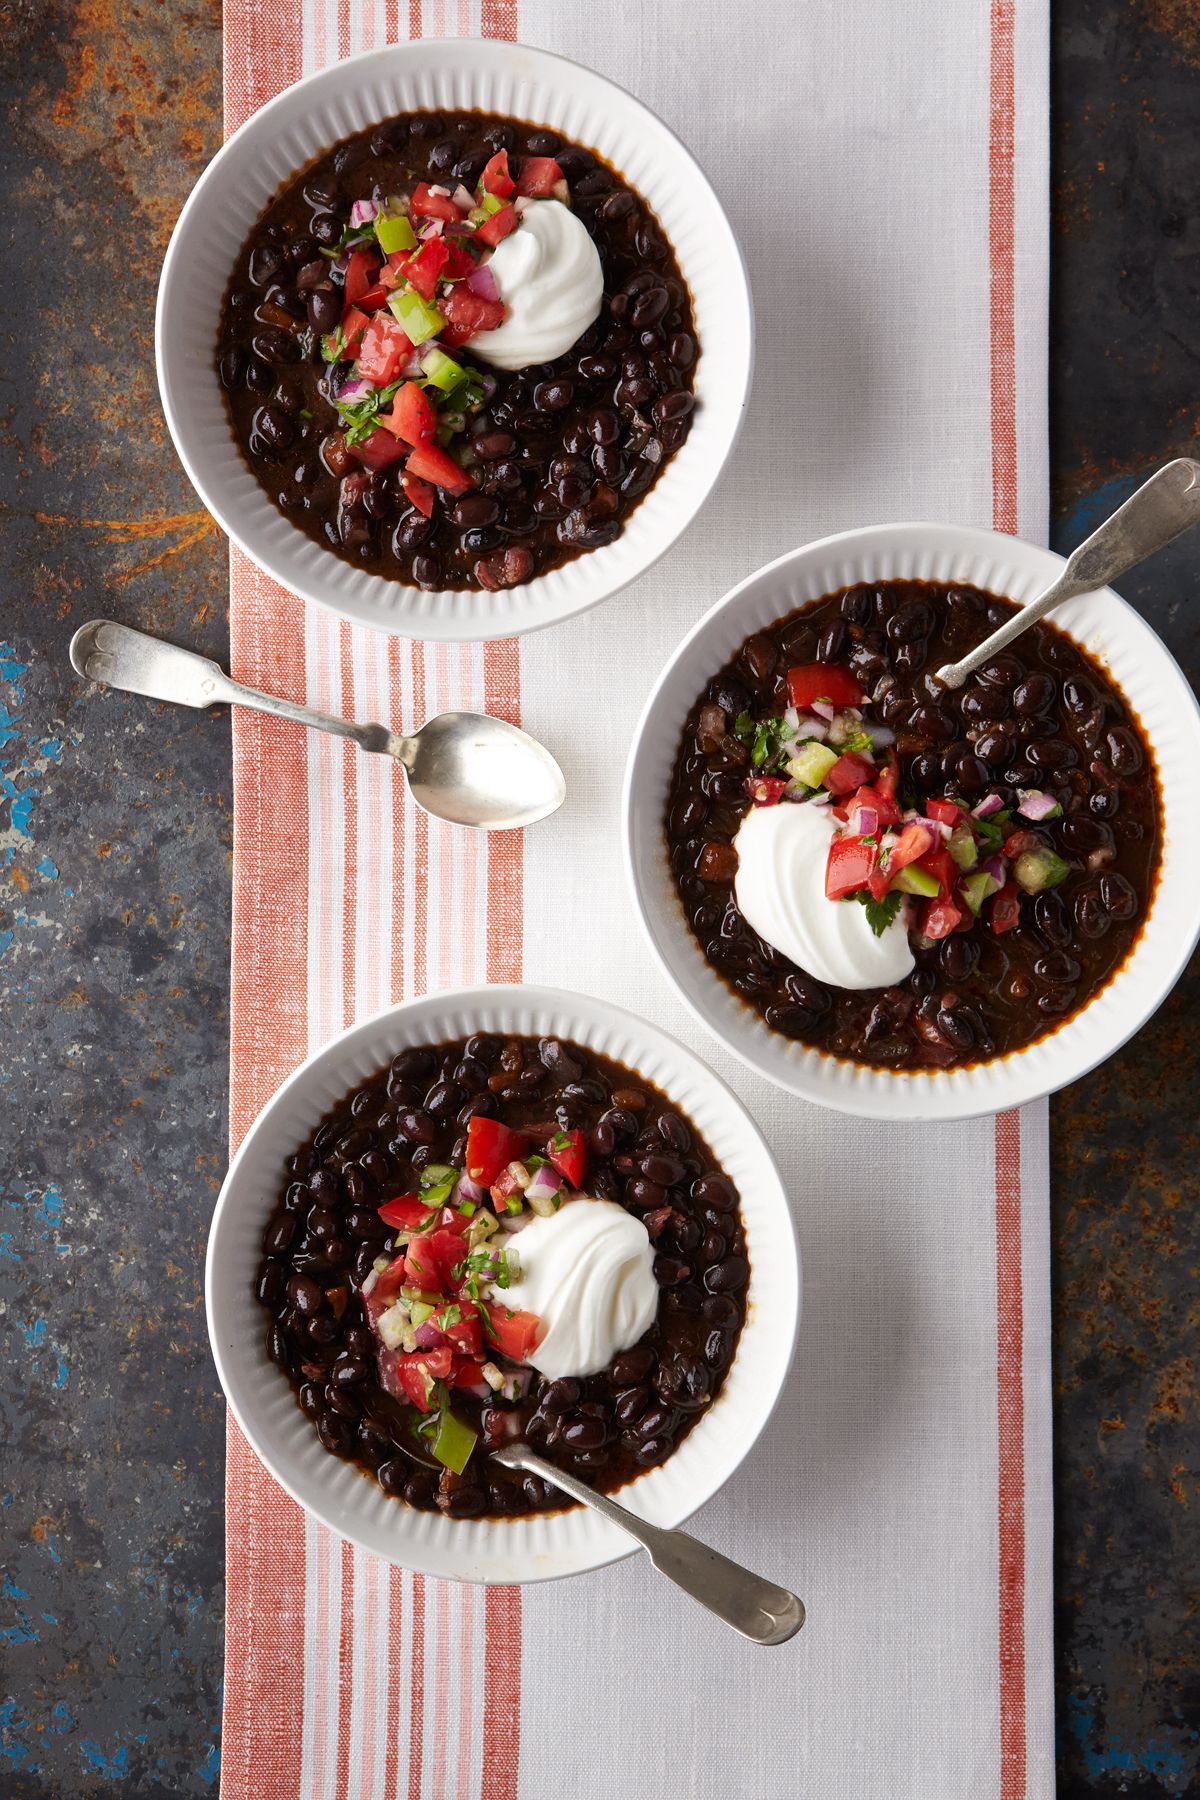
(210,1769)
(10,1589)
(22,811)
(11,669)
(1114,1757)
(6,938)
(114,1767)
(35,1334)
(6,1249)
(23,1632)
(50,1207)
(64,1719)
(9,727)
(1090,510)
(13,1752)
(52,749)
(62,1373)
(49,868)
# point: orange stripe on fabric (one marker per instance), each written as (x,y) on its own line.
(1011,1415)
(264,1530)
(345,1665)
(466,1688)
(498,19)
(420,845)
(1002,254)
(502,1715)
(262,52)
(416,1697)
(399,801)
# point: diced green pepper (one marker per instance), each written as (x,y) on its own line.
(454,1442)
(420,320)
(394,232)
(811,764)
(1037,870)
(962,847)
(443,371)
(977,888)
(912,880)
(419,1311)
(491,203)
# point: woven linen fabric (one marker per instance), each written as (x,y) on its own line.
(885,169)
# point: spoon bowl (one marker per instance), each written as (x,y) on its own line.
(472,769)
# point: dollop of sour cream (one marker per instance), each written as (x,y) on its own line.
(550,279)
(780,888)
(588,1272)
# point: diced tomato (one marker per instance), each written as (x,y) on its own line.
(461,262)
(428,205)
(360,275)
(416,1373)
(490,1148)
(431,463)
(881,795)
(496,178)
(470,312)
(1018,842)
(380,450)
(850,771)
(375,299)
(391,276)
(852,862)
(766,790)
(384,350)
(463,1327)
(419,493)
(412,416)
(946,812)
(939,918)
(468,1372)
(513,1334)
(354,323)
(424,267)
(498,226)
(914,841)
(505,1186)
(1006,909)
(822,681)
(941,866)
(431,1259)
(539,176)
(385,1287)
(405,1213)
(568,1152)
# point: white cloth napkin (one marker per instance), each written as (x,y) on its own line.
(885,168)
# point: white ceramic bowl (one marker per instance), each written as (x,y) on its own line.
(490,1550)
(447,74)
(1103,625)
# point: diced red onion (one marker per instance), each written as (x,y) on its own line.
(463,197)
(429,1336)
(821,799)
(520,1378)
(824,710)
(1035,803)
(994,866)
(985,809)
(934,826)
(545,1184)
(791,719)
(437,188)
(414,368)
(864,822)
(488,383)
(431,228)
(354,390)
(881,736)
(814,728)
(457,228)
(363,211)
(479,1388)
(514,1221)
(483,283)
(469,1191)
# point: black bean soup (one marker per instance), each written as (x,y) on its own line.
(1037,766)
(528,468)
(416,1130)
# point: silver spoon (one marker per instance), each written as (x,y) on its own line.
(1157,512)
(758,1609)
(465,767)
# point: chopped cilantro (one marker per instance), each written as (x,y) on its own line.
(880,913)
(763,740)
(991,832)
(360,417)
(333,346)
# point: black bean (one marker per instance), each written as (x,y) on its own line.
(728,1276)
(553,396)
(653,1450)
(305,1294)
(718,1348)
(584,1434)
(669,1271)
(715,1190)
(1118,896)
(632,1365)
(1123,750)
(719,1309)
(417,1127)
(279,1234)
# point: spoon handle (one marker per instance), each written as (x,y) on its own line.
(760,1610)
(117,655)
(1157,512)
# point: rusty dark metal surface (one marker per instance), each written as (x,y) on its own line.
(114,919)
